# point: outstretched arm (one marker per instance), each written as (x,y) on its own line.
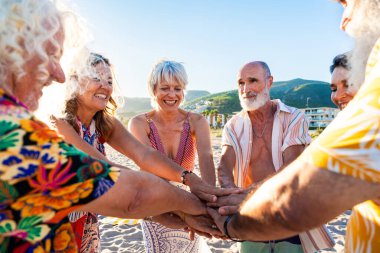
(205,156)
(72,137)
(297,199)
(140,194)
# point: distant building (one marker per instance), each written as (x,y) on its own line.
(320,117)
(217,120)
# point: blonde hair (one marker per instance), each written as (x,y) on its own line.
(165,71)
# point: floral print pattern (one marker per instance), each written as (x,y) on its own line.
(351,146)
(42,179)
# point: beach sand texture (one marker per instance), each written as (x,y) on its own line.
(129,239)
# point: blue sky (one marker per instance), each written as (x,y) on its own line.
(214,38)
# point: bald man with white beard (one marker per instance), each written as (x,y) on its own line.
(258,142)
(338,171)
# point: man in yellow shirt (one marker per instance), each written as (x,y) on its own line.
(339,170)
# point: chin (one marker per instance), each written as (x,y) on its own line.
(32,105)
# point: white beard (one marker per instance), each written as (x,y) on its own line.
(365,29)
(252,104)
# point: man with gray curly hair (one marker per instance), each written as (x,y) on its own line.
(339,170)
(42,178)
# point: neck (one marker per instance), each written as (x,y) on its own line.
(171,116)
(85,116)
(262,114)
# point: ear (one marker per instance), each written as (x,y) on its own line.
(270,81)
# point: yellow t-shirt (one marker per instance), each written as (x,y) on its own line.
(351,146)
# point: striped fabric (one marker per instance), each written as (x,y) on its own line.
(158,238)
(351,146)
(290,127)
(186,151)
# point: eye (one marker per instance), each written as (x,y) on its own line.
(333,88)
(240,83)
(164,88)
(178,89)
(96,79)
(110,83)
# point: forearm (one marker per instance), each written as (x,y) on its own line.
(225,177)
(207,168)
(298,198)
(139,194)
(154,162)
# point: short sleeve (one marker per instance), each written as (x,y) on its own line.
(226,139)
(297,132)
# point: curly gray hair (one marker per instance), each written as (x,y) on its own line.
(25,26)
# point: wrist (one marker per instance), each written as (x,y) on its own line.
(185,177)
(228,228)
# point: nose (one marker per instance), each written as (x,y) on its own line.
(58,75)
(340,93)
(344,22)
(171,93)
(105,85)
(247,88)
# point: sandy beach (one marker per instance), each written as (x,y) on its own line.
(126,238)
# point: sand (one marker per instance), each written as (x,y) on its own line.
(126,238)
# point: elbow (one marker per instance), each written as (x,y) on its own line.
(128,194)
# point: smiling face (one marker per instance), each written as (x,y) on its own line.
(253,86)
(28,88)
(97,89)
(168,95)
(341,94)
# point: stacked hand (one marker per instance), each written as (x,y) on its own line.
(205,191)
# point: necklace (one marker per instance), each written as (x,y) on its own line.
(262,131)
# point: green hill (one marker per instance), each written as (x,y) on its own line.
(134,106)
(298,93)
(194,94)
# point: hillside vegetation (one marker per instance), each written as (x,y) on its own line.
(299,93)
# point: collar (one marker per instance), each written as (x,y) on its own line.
(13,99)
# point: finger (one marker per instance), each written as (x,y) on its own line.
(206,197)
(219,220)
(201,233)
(227,210)
(191,235)
(223,191)
(213,204)
(209,229)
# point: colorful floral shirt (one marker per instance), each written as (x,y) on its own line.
(351,146)
(42,179)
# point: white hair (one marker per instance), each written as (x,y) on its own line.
(365,28)
(166,71)
(260,99)
(25,25)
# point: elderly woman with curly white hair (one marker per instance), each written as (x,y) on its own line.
(42,178)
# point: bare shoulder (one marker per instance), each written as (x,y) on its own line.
(196,118)
(138,122)
(138,119)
